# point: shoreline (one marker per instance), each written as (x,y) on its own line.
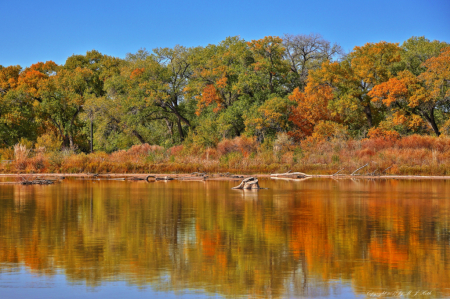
(208,177)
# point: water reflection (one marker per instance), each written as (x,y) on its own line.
(309,238)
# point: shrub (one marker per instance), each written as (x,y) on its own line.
(20,156)
(49,142)
(244,145)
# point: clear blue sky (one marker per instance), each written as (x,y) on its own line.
(34,31)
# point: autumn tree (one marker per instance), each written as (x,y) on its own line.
(272,117)
(311,106)
(20,94)
(416,50)
(353,78)
(419,97)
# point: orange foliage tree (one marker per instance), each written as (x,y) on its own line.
(311,107)
(353,78)
(415,97)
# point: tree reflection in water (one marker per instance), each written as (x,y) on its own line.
(307,238)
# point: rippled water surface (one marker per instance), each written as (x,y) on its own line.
(313,238)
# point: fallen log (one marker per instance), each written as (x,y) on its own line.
(37,182)
(192,178)
(135,179)
(297,175)
(164,178)
(248,183)
(198,173)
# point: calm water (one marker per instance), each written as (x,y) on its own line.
(315,238)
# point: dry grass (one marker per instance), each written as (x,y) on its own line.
(412,155)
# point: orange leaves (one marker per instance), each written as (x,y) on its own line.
(268,44)
(46,68)
(418,96)
(209,96)
(8,77)
(371,62)
(437,75)
(389,91)
(31,79)
(136,73)
(311,107)
(384,134)
(222,82)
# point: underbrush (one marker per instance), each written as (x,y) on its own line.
(412,155)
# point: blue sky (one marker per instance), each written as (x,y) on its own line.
(34,31)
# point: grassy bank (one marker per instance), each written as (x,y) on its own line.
(411,155)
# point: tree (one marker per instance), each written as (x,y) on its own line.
(308,52)
(311,106)
(61,100)
(353,78)
(217,73)
(416,50)
(19,97)
(163,79)
(419,96)
(269,69)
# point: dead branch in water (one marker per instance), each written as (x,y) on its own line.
(384,171)
(164,178)
(192,178)
(248,183)
(198,173)
(338,171)
(35,181)
(297,175)
(353,173)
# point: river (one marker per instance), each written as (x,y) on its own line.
(317,238)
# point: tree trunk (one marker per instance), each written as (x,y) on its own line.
(180,129)
(169,127)
(431,121)
(66,141)
(368,113)
(138,136)
(92,136)
(71,141)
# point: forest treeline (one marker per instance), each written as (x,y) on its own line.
(298,88)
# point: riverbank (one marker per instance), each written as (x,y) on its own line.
(19,178)
(374,157)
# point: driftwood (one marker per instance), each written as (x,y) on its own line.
(338,171)
(384,171)
(135,179)
(192,178)
(291,179)
(36,181)
(164,178)
(353,173)
(248,183)
(297,175)
(198,173)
